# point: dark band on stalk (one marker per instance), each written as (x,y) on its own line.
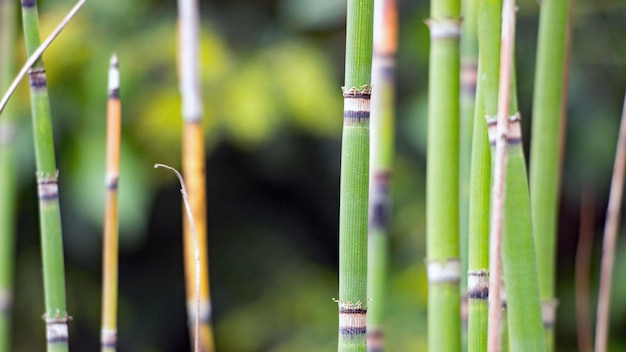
(114,78)
(381,202)
(6,301)
(108,338)
(37,78)
(356,106)
(513,134)
(548,312)
(469,74)
(29,3)
(112,182)
(48,188)
(386,64)
(206,315)
(352,320)
(57,330)
(444,28)
(375,340)
(444,271)
(478,284)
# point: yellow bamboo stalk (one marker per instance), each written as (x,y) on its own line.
(108,337)
(194,171)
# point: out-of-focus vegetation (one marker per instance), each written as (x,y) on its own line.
(272,71)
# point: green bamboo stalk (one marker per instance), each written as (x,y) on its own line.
(442,178)
(56,316)
(525,330)
(478,236)
(489,24)
(198,293)
(544,162)
(8,177)
(108,334)
(609,243)
(381,161)
(469,68)
(353,205)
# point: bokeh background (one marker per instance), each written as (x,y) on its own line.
(272,72)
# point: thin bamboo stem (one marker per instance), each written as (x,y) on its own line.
(582,270)
(469,71)
(36,54)
(489,28)
(194,171)
(56,316)
(108,334)
(442,178)
(546,135)
(381,161)
(500,168)
(478,236)
(8,178)
(611,228)
(353,204)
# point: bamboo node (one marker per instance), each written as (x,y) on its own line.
(108,337)
(47,186)
(513,134)
(548,312)
(6,300)
(478,284)
(444,28)
(56,327)
(364,92)
(439,271)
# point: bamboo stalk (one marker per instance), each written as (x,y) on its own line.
(381,161)
(611,229)
(353,204)
(108,334)
(198,307)
(194,235)
(489,27)
(544,162)
(478,236)
(56,316)
(8,178)
(469,70)
(500,169)
(442,178)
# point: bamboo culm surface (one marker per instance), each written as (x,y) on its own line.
(489,25)
(442,178)
(8,177)
(198,308)
(381,160)
(353,204)
(544,151)
(108,333)
(56,316)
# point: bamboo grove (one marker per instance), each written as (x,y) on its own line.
(491,226)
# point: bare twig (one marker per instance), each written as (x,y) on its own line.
(611,228)
(498,194)
(37,54)
(183,191)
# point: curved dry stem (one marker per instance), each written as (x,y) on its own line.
(183,191)
(37,54)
